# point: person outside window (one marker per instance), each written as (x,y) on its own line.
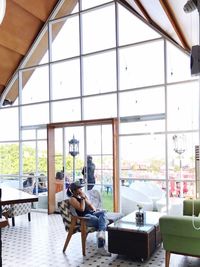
(88,173)
(29,182)
(79,201)
(42,187)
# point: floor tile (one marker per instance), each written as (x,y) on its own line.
(39,243)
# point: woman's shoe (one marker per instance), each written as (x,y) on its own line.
(103,252)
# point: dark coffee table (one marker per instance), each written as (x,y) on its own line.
(139,242)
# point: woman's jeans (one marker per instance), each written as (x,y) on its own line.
(99,221)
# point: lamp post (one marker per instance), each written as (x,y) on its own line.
(73,151)
(179,148)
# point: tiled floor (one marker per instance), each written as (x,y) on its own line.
(39,243)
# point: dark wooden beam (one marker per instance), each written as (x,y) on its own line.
(172,18)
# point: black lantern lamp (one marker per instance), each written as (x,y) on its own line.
(73,151)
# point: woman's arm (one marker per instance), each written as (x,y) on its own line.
(76,204)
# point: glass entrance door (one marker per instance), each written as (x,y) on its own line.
(83,152)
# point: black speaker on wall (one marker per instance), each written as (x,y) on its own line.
(195,60)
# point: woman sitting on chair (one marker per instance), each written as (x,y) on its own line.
(83,207)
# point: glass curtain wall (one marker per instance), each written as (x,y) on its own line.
(100,68)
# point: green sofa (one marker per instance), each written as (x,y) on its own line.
(178,232)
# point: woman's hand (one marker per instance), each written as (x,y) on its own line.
(93,208)
(82,194)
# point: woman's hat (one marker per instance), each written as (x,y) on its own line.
(76,185)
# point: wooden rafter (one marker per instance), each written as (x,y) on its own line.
(172,18)
(148,20)
(143,10)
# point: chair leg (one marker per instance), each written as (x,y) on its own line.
(167,258)
(69,235)
(83,236)
(13,221)
(29,216)
(6,215)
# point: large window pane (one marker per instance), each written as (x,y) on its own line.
(107,144)
(98,33)
(35,114)
(9,124)
(182,164)
(142,127)
(34,134)
(99,139)
(66,79)
(136,65)
(28,134)
(132,29)
(141,102)
(66,110)
(9,160)
(41,134)
(42,158)
(29,157)
(65,38)
(142,157)
(99,73)
(99,146)
(100,107)
(183,105)
(177,70)
(35,85)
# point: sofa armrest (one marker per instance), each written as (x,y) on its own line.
(179,226)
(188,207)
(179,235)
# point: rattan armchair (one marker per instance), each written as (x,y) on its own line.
(74,224)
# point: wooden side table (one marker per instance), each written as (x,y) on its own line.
(3,222)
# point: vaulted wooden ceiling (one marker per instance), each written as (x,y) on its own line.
(24,20)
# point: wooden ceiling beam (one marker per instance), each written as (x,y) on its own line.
(42,47)
(172,18)
(39,9)
(9,60)
(143,10)
(19,29)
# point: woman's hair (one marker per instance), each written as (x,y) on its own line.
(59,175)
(69,192)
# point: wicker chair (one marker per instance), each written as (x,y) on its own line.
(74,224)
(12,210)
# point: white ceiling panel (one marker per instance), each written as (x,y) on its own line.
(182,27)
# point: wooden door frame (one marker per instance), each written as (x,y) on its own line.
(51,156)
